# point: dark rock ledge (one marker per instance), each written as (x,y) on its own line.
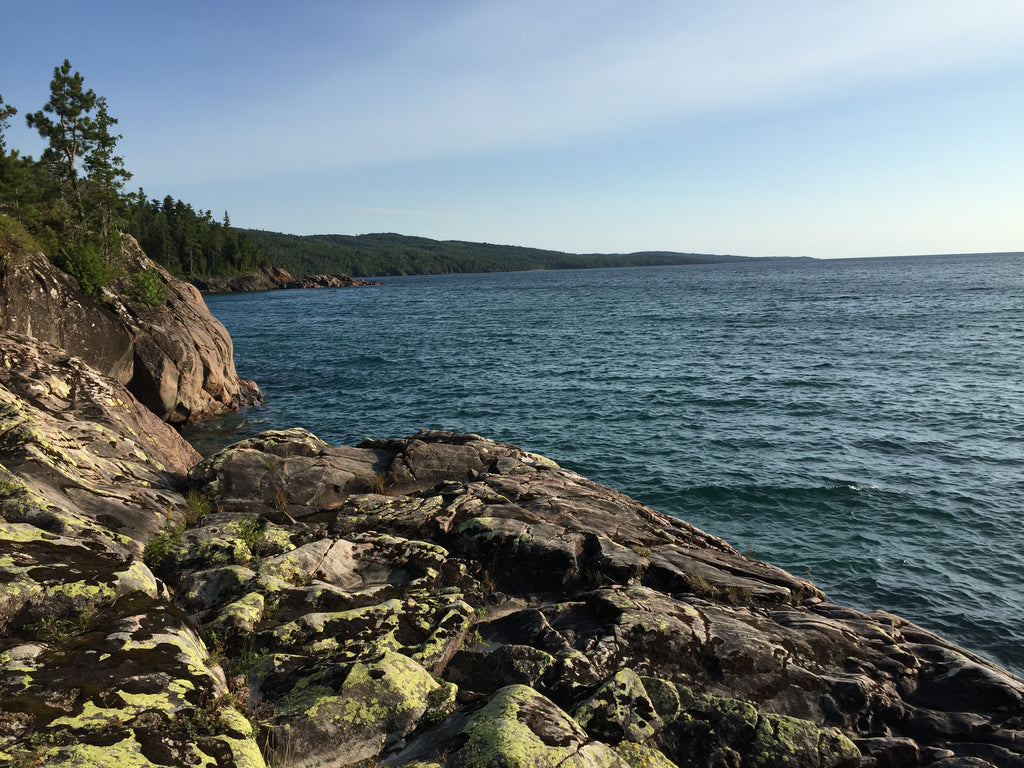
(273,278)
(439,600)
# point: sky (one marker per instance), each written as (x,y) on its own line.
(788,128)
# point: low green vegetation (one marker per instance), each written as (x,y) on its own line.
(198,504)
(147,287)
(160,546)
(250,532)
(14,235)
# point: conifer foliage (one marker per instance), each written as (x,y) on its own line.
(72,200)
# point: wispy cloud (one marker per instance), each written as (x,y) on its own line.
(398,81)
(527,74)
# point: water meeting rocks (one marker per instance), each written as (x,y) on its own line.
(272,278)
(439,600)
(171,353)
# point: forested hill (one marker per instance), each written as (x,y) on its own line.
(391,254)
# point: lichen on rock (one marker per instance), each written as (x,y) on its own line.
(441,600)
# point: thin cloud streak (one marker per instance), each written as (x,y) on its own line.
(541,76)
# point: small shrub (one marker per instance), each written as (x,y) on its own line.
(271,603)
(198,505)
(57,629)
(14,234)
(701,587)
(160,546)
(82,260)
(249,531)
(736,595)
(377,483)
(594,578)
(52,629)
(147,287)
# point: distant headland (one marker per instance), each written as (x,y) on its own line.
(389,254)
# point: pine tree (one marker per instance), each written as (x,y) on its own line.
(76,124)
(6,113)
(69,132)
(105,171)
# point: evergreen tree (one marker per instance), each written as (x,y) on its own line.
(70,132)
(6,113)
(72,200)
(76,124)
(105,170)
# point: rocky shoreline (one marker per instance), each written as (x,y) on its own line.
(436,600)
(275,278)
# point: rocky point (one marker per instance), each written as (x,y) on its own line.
(437,600)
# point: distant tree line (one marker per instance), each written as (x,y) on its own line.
(189,242)
(71,204)
(391,254)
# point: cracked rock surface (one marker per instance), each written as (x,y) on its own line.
(441,599)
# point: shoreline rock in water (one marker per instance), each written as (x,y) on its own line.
(441,600)
(274,278)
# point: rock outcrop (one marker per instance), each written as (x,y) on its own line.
(171,354)
(272,278)
(264,279)
(440,600)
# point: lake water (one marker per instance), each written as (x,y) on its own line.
(860,422)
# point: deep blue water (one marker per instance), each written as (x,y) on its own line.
(860,422)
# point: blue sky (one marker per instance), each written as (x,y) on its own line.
(794,128)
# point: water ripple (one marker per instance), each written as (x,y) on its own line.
(856,421)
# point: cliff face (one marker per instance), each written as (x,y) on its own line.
(442,600)
(176,358)
(39,300)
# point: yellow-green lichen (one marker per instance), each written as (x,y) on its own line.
(242,615)
(620,706)
(642,756)
(387,695)
(192,653)
(126,753)
(137,578)
(59,387)
(500,734)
